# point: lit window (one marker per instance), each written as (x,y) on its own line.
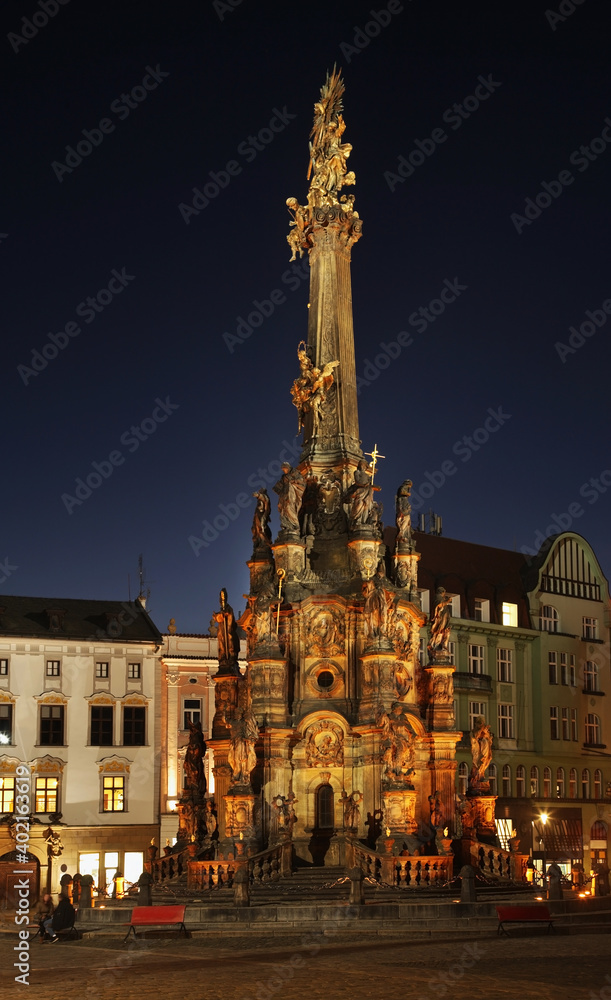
(598,783)
(548,618)
(53,668)
(6,724)
(3,668)
(476,659)
(113,793)
(509,614)
(520,781)
(7,795)
(134,726)
(463,778)
(592,733)
(504,662)
(133,671)
(585,783)
(573,783)
(506,781)
(46,794)
(481,610)
(552,666)
(192,711)
(476,709)
(51,725)
(553,723)
(547,782)
(560,783)
(590,676)
(101,670)
(589,628)
(505,717)
(534,780)
(102,725)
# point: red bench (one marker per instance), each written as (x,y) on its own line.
(523,915)
(157,916)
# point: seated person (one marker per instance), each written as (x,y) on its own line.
(44,916)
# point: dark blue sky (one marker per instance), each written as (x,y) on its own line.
(204,81)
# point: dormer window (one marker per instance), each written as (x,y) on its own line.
(55,617)
(481,610)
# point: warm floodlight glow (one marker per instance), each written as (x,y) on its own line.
(544,818)
(4,739)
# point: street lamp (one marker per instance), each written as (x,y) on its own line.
(543,818)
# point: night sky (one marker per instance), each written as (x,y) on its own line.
(221,100)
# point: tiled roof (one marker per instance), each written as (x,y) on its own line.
(110,621)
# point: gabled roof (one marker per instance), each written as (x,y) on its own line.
(71,619)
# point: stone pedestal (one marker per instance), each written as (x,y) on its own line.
(240,818)
(365,554)
(441,696)
(399,813)
(269,688)
(483,815)
(225,700)
(405,570)
(289,556)
(376,683)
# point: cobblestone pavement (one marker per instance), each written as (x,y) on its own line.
(526,967)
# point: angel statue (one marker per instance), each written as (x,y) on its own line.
(309,391)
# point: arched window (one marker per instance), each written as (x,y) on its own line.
(598,783)
(463,777)
(592,734)
(547,782)
(534,780)
(573,783)
(325,812)
(560,787)
(520,781)
(590,676)
(585,783)
(507,781)
(492,778)
(548,618)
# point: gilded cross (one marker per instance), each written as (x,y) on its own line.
(375,455)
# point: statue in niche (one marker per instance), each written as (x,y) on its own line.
(440,626)
(194,760)
(226,633)
(258,618)
(352,812)
(360,496)
(242,758)
(403,510)
(210,819)
(400,745)
(310,390)
(261,534)
(290,489)
(481,751)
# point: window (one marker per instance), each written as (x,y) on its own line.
(6,724)
(589,628)
(560,783)
(101,670)
(476,659)
(553,723)
(592,734)
(520,781)
(492,778)
(573,723)
(133,671)
(481,610)
(51,725)
(3,668)
(476,709)
(506,781)
(598,783)
(325,818)
(53,668)
(590,676)
(506,722)
(573,783)
(572,670)
(424,600)
(534,780)
(509,614)
(102,725)
(46,795)
(585,783)
(456,606)
(564,669)
(552,667)
(193,711)
(504,662)
(113,793)
(7,795)
(547,782)
(134,725)
(452,651)
(463,778)
(548,618)
(565,724)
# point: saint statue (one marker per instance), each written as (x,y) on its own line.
(400,753)
(227,636)
(360,496)
(403,510)
(440,626)
(481,751)
(261,534)
(194,760)
(290,488)
(242,757)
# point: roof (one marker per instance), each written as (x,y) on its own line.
(73,619)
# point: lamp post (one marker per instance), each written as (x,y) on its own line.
(543,822)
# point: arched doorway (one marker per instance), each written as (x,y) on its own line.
(324,823)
